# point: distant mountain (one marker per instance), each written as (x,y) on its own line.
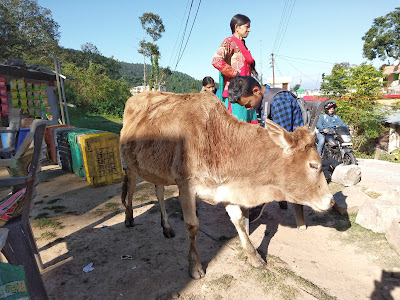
(176,82)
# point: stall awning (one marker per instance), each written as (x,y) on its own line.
(31,72)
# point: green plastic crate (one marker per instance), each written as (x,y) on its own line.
(78,167)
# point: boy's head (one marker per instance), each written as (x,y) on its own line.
(246,91)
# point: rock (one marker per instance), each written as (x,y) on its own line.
(346,175)
(383,191)
(393,235)
(377,214)
(349,200)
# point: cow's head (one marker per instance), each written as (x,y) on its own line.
(300,175)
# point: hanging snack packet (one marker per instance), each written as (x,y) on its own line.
(13,85)
(38,113)
(31,111)
(45,102)
(36,95)
(20,83)
(2,81)
(36,103)
(36,85)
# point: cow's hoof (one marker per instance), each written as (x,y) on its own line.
(196,271)
(168,233)
(257,262)
(129,223)
(302,228)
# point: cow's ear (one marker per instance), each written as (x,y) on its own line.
(280,136)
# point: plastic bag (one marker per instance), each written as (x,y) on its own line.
(13,282)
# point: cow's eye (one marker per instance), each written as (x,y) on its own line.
(315,166)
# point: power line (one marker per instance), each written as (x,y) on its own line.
(287,23)
(299,70)
(194,20)
(280,26)
(184,33)
(324,62)
(179,32)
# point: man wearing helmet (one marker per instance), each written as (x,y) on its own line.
(327,121)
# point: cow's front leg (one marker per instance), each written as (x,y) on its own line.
(188,203)
(299,216)
(167,229)
(128,187)
(237,218)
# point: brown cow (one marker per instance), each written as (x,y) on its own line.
(191,140)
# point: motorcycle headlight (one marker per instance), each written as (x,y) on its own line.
(346,138)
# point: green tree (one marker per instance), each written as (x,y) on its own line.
(355,89)
(335,84)
(154,27)
(92,89)
(28,31)
(295,88)
(382,40)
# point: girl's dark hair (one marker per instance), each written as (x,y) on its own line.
(238,20)
(207,80)
(241,86)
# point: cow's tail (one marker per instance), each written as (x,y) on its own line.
(124,190)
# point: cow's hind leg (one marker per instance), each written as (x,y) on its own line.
(237,218)
(188,203)
(128,187)
(167,229)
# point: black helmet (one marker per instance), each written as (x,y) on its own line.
(329,105)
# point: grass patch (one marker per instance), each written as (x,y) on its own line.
(371,242)
(224,282)
(142,198)
(42,215)
(58,208)
(48,235)
(82,119)
(284,275)
(334,187)
(53,200)
(373,195)
(114,206)
(47,223)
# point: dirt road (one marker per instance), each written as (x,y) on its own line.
(329,260)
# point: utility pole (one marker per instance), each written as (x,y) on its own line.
(273,70)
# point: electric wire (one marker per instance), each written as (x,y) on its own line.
(287,23)
(299,70)
(279,31)
(190,32)
(184,33)
(179,32)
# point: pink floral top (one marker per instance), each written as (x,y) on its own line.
(229,61)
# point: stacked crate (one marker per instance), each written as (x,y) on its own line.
(78,167)
(50,141)
(102,158)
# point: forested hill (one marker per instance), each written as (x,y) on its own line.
(176,82)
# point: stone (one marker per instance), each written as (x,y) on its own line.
(377,214)
(349,200)
(346,175)
(393,235)
(384,191)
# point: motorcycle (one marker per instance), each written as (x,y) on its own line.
(338,146)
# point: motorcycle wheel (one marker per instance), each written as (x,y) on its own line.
(349,158)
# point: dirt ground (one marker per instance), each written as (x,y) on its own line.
(76,224)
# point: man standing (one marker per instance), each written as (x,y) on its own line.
(284,111)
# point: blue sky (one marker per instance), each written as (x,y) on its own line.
(307,41)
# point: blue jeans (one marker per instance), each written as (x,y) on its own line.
(320,143)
